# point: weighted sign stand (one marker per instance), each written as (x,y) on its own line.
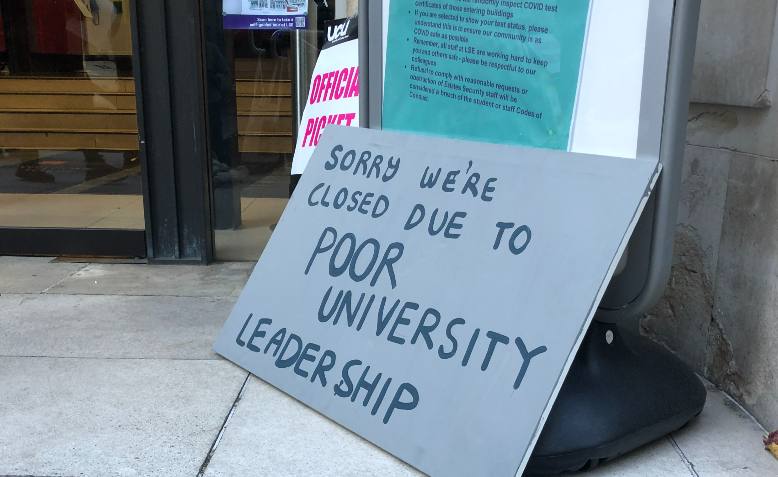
(622,391)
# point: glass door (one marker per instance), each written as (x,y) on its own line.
(258,76)
(68,129)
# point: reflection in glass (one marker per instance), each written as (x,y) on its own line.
(252,85)
(68,127)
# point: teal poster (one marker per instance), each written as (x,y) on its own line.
(494,71)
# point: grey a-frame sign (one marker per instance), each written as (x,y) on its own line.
(430,294)
(644,269)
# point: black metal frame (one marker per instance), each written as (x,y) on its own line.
(49,241)
(174,151)
(73,242)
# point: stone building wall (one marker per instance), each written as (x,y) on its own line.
(720,311)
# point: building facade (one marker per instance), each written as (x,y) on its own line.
(147,129)
(134,128)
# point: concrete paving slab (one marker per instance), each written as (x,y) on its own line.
(111,326)
(62,414)
(272,434)
(659,459)
(725,441)
(220,279)
(92,417)
(33,274)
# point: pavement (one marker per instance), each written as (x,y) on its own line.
(107,370)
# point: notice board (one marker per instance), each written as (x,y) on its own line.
(620,75)
(430,294)
(518,67)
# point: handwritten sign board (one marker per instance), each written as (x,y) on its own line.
(430,294)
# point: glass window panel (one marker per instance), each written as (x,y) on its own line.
(68,126)
(254,77)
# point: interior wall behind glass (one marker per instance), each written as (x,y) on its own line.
(68,126)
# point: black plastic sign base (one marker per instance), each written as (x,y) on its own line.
(617,397)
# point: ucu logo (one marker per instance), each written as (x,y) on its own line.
(337,32)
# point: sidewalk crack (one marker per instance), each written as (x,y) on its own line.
(226,422)
(63,279)
(688,463)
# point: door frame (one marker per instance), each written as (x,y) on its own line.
(169,68)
